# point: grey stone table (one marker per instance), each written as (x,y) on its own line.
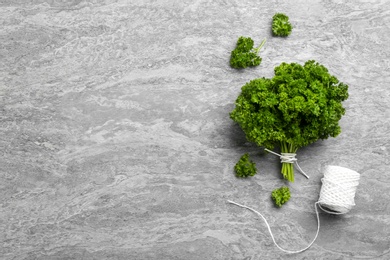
(116,141)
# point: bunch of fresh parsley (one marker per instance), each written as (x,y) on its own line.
(298,106)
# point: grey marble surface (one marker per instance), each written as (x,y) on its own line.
(116,141)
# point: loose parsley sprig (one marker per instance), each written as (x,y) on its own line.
(281,196)
(245,167)
(245,55)
(280,25)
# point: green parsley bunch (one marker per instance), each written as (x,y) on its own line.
(297,107)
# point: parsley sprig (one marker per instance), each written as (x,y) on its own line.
(245,167)
(280,25)
(245,55)
(281,195)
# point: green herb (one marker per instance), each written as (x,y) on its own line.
(280,25)
(245,167)
(280,196)
(245,55)
(298,106)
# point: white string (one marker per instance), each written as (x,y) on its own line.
(270,232)
(336,197)
(289,158)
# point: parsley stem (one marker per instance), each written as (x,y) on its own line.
(287,168)
(260,46)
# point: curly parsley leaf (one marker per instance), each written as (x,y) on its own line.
(281,196)
(280,25)
(245,55)
(245,167)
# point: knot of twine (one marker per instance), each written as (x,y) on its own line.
(336,197)
(289,158)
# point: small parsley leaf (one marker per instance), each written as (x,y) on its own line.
(245,167)
(245,55)
(280,25)
(281,196)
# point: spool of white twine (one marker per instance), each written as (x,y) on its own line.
(337,196)
(338,189)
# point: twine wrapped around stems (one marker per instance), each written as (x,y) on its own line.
(289,158)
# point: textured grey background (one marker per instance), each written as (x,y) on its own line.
(116,141)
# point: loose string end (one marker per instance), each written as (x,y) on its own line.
(272,235)
(301,171)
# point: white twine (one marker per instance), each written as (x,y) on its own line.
(336,197)
(338,189)
(289,158)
